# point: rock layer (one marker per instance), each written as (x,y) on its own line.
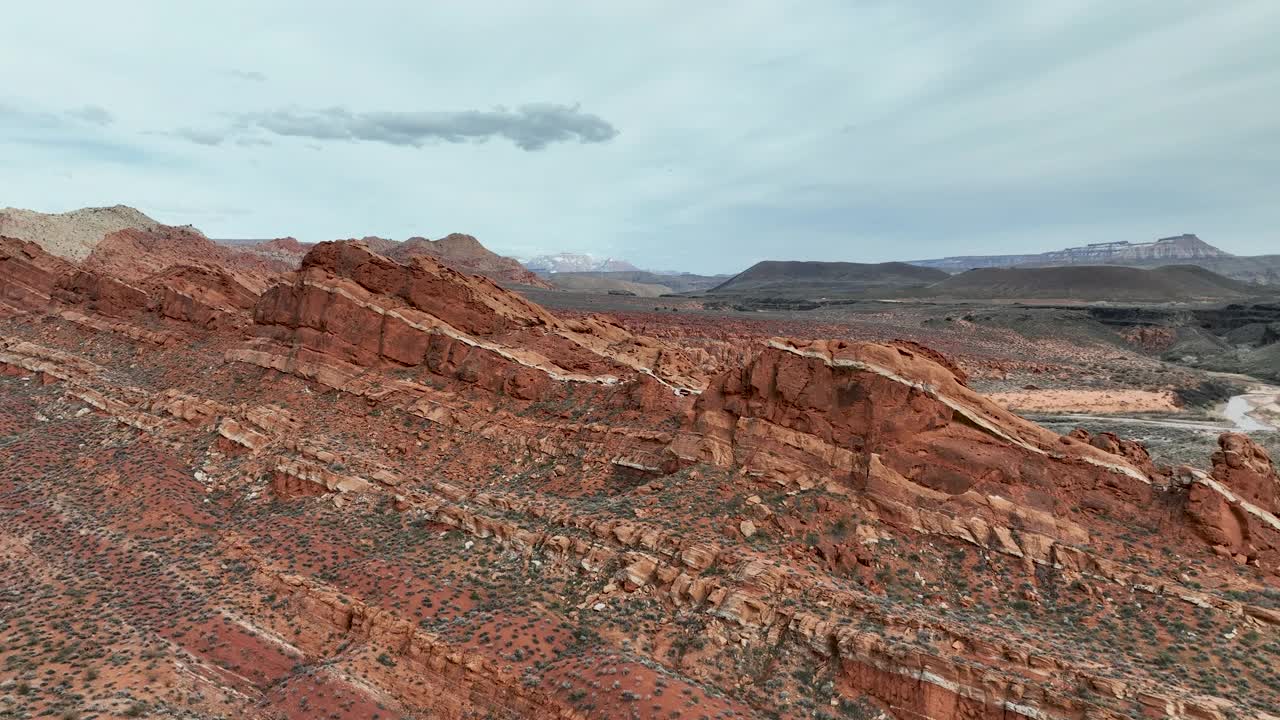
(801,412)
(392,488)
(360,307)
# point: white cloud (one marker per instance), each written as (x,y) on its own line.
(533,126)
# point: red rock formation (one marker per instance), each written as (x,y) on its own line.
(937,357)
(803,411)
(1131,450)
(28,274)
(465,253)
(134,254)
(101,293)
(461,252)
(200,294)
(1245,467)
(207,295)
(288,245)
(359,307)
(281,255)
(1235,510)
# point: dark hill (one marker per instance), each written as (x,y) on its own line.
(640,282)
(1091,283)
(792,278)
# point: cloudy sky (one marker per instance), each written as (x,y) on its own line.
(696,136)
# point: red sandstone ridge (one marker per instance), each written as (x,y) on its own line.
(899,431)
(28,274)
(134,254)
(465,253)
(356,306)
(287,245)
(460,252)
(800,411)
(207,295)
(1246,469)
(279,255)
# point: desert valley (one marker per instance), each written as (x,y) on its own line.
(379,479)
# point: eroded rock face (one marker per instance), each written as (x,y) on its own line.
(802,412)
(357,306)
(28,274)
(206,295)
(134,254)
(1235,509)
(101,293)
(1245,467)
(200,294)
(1129,449)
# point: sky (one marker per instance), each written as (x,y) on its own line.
(693,136)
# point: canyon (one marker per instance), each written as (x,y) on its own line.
(344,480)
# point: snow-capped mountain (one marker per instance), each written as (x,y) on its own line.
(576,262)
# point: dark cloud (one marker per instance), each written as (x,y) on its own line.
(92,114)
(249,75)
(17,115)
(530,127)
(201,137)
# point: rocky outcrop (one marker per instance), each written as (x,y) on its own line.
(359,307)
(112,282)
(805,411)
(203,295)
(134,254)
(100,293)
(280,255)
(28,274)
(1235,509)
(1129,449)
(1245,467)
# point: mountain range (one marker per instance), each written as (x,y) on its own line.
(1185,249)
(576,262)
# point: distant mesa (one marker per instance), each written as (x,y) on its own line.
(1170,283)
(1185,249)
(792,278)
(634,282)
(1168,250)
